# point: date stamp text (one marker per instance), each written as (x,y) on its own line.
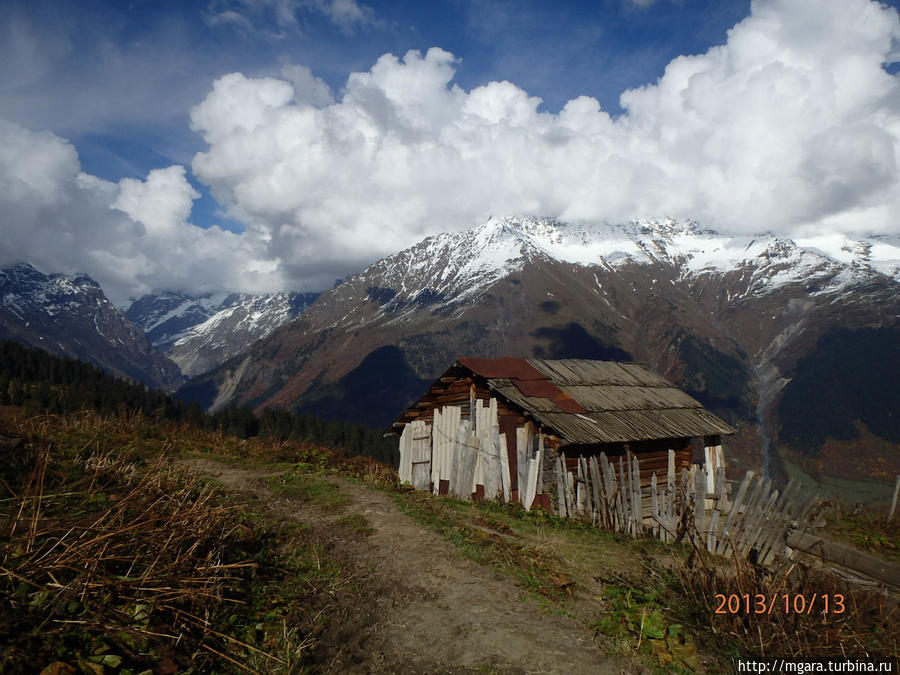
(789,603)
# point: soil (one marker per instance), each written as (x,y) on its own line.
(425,608)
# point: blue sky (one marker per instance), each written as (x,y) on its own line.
(117,90)
(118,79)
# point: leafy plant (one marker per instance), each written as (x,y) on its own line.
(634,617)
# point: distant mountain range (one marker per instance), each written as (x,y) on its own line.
(796,343)
(200,332)
(70,316)
(730,319)
(159,340)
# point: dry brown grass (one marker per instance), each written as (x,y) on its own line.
(863,622)
(111,557)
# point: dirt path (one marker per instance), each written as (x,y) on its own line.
(435,610)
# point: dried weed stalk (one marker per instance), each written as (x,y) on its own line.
(94,545)
(864,622)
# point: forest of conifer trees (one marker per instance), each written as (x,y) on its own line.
(45,383)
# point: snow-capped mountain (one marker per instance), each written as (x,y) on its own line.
(200,332)
(728,318)
(70,316)
(449,269)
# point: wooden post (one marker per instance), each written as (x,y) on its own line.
(539,487)
(522,455)
(713,532)
(670,473)
(894,500)
(571,505)
(638,499)
(721,489)
(560,489)
(624,492)
(664,508)
(728,530)
(451,418)
(531,486)
(609,490)
(597,489)
(700,505)
(437,439)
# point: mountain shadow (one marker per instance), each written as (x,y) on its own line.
(200,391)
(373,393)
(719,381)
(848,376)
(572,341)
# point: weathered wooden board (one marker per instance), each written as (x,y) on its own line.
(832,552)
(523,444)
(405,470)
(421,455)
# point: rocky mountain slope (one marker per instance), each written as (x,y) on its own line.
(727,318)
(200,332)
(70,316)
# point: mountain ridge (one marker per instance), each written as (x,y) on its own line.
(198,332)
(69,315)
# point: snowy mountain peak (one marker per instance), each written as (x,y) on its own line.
(450,268)
(70,315)
(24,289)
(199,331)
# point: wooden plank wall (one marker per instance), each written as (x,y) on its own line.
(468,457)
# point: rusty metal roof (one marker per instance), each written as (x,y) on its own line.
(597,401)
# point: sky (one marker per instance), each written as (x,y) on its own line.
(270,145)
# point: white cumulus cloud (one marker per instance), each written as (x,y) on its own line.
(790,125)
(132,236)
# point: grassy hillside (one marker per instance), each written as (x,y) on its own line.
(114,560)
(117,556)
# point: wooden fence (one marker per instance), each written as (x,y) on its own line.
(466,457)
(695,503)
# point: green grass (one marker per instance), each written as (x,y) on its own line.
(832,488)
(307,487)
(356,523)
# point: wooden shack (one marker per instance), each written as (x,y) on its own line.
(494,428)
